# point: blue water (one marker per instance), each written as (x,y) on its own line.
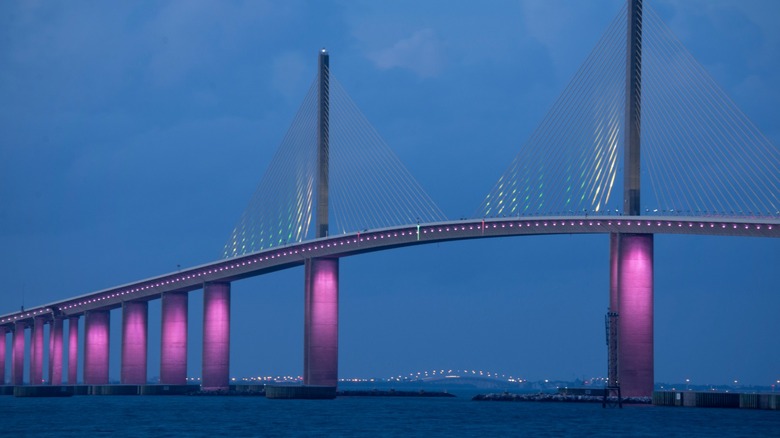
(133,416)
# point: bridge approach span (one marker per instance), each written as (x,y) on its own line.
(291,255)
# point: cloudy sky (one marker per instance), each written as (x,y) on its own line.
(132,135)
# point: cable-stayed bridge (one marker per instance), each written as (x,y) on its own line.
(335,189)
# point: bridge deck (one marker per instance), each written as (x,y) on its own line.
(275,259)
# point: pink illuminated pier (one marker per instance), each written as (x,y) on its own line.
(55,351)
(96,347)
(216,336)
(2,355)
(321,324)
(17,354)
(635,303)
(134,341)
(134,347)
(36,352)
(173,346)
(73,349)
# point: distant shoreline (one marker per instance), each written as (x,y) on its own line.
(391,393)
(556,398)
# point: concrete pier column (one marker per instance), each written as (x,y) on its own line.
(635,332)
(173,345)
(50,347)
(55,352)
(216,336)
(135,315)
(321,322)
(17,355)
(96,344)
(2,355)
(36,352)
(73,349)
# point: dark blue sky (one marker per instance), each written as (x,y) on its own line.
(133,134)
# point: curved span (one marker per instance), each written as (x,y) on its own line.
(275,259)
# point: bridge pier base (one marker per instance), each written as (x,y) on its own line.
(173,345)
(216,337)
(17,354)
(73,349)
(96,347)
(634,263)
(135,315)
(321,325)
(36,352)
(55,351)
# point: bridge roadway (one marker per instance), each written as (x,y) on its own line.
(279,258)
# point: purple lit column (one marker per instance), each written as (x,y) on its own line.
(635,333)
(321,325)
(17,355)
(134,339)
(36,352)
(96,343)
(73,349)
(55,352)
(51,347)
(2,356)
(216,336)
(173,348)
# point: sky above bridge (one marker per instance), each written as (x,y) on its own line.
(133,134)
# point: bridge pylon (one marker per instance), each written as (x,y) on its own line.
(321,288)
(631,255)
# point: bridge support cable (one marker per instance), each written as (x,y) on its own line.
(363,183)
(371,187)
(703,155)
(280,210)
(570,163)
(700,155)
